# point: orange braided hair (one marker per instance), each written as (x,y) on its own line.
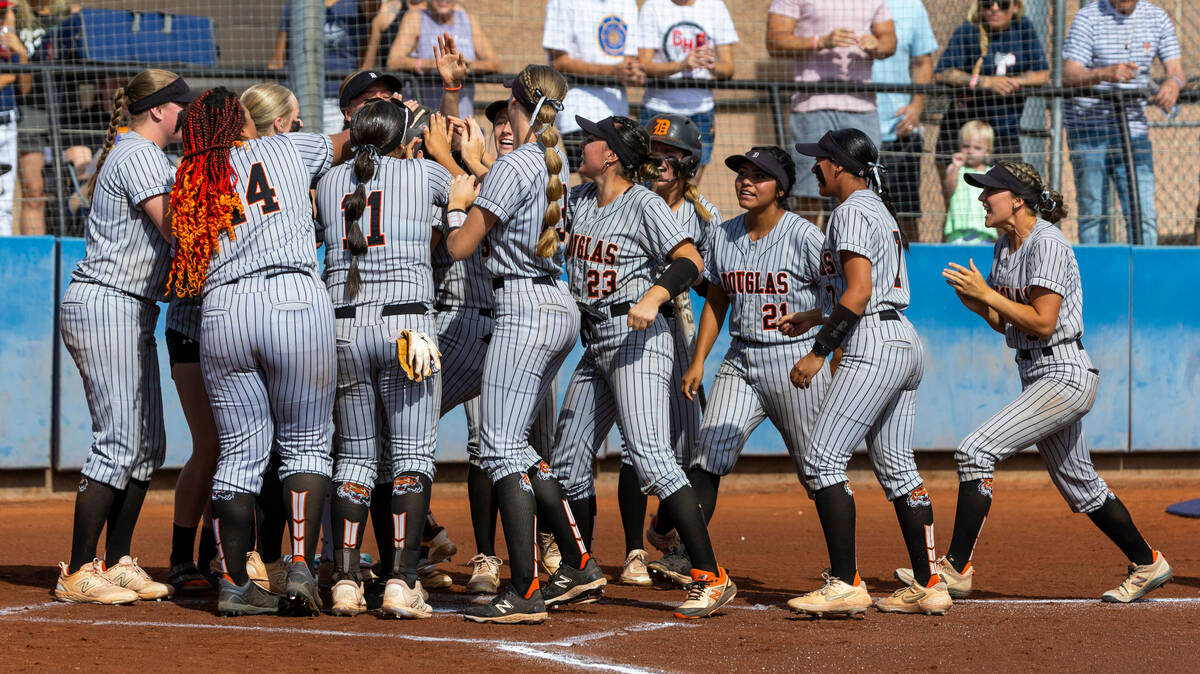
(203,200)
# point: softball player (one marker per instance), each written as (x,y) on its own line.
(267,333)
(620,234)
(677,139)
(107,317)
(1033,296)
(381,284)
(535,324)
(873,394)
(762,265)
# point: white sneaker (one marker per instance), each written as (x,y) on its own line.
(347,598)
(836,597)
(89,585)
(130,576)
(1141,580)
(551,557)
(634,572)
(958,584)
(403,601)
(916,598)
(485,578)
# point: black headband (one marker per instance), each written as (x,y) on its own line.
(606,130)
(177,91)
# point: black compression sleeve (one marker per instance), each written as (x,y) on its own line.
(833,333)
(678,276)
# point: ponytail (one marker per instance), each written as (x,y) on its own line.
(548,136)
(876,183)
(356,203)
(692,194)
(120,107)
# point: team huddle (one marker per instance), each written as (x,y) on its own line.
(457,277)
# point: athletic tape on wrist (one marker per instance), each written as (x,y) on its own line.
(456,218)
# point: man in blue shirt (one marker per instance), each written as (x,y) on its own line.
(1111,45)
(345,29)
(900,114)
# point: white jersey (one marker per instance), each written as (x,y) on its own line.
(592,31)
(862,225)
(673,31)
(276,229)
(614,251)
(1045,259)
(125,250)
(766,279)
(398,221)
(462,283)
(515,192)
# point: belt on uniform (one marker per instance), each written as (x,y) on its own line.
(408,308)
(1028,354)
(278,272)
(441,308)
(498,282)
(590,317)
(889,315)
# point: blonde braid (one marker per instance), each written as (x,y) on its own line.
(692,194)
(120,106)
(548,240)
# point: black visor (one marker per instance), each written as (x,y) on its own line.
(494,109)
(607,131)
(364,80)
(828,147)
(177,91)
(999,178)
(766,162)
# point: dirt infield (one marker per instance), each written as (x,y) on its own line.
(1040,570)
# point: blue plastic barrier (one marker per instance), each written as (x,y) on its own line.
(26,351)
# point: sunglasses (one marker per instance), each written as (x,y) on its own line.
(296,126)
(1004,5)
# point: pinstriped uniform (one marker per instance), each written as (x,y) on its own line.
(108,313)
(1057,389)
(267,334)
(765,280)
(536,321)
(873,395)
(613,255)
(398,223)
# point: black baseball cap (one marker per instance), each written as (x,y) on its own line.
(766,162)
(999,178)
(361,81)
(495,108)
(606,130)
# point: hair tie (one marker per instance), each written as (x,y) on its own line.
(369,149)
(1047,202)
(877,169)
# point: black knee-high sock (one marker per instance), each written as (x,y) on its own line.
(518,511)
(183,544)
(351,505)
(381,525)
(232,514)
(552,510)
(706,485)
(974,502)
(305,497)
(206,551)
(915,512)
(481,495)
(93,504)
(585,519)
(693,531)
(631,502)
(273,517)
(1114,520)
(410,503)
(835,508)
(122,518)
(431,527)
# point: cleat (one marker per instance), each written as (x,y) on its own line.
(258,572)
(836,597)
(509,608)
(574,586)
(187,579)
(634,572)
(301,596)
(130,576)
(347,598)
(248,599)
(1141,580)
(373,595)
(675,568)
(404,602)
(485,578)
(665,543)
(916,598)
(548,551)
(89,585)
(432,577)
(707,593)
(958,584)
(441,548)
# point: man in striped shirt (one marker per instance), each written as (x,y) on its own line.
(1111,45)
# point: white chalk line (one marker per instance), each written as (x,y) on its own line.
(16,610)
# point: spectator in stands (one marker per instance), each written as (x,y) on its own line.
(345,29)
(900,114)
(34,19)
(11,51)
(384,28)
(1111,45)
(362,86)
(993,55)
(414,50)
(685,39)
(965,215)
(273,109)
(591,38)
(832,41)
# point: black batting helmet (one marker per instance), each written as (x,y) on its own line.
(681,132)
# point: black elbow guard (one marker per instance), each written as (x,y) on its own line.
(840,323)
(678,276)
(701,288)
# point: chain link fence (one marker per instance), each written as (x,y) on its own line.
(731,66)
